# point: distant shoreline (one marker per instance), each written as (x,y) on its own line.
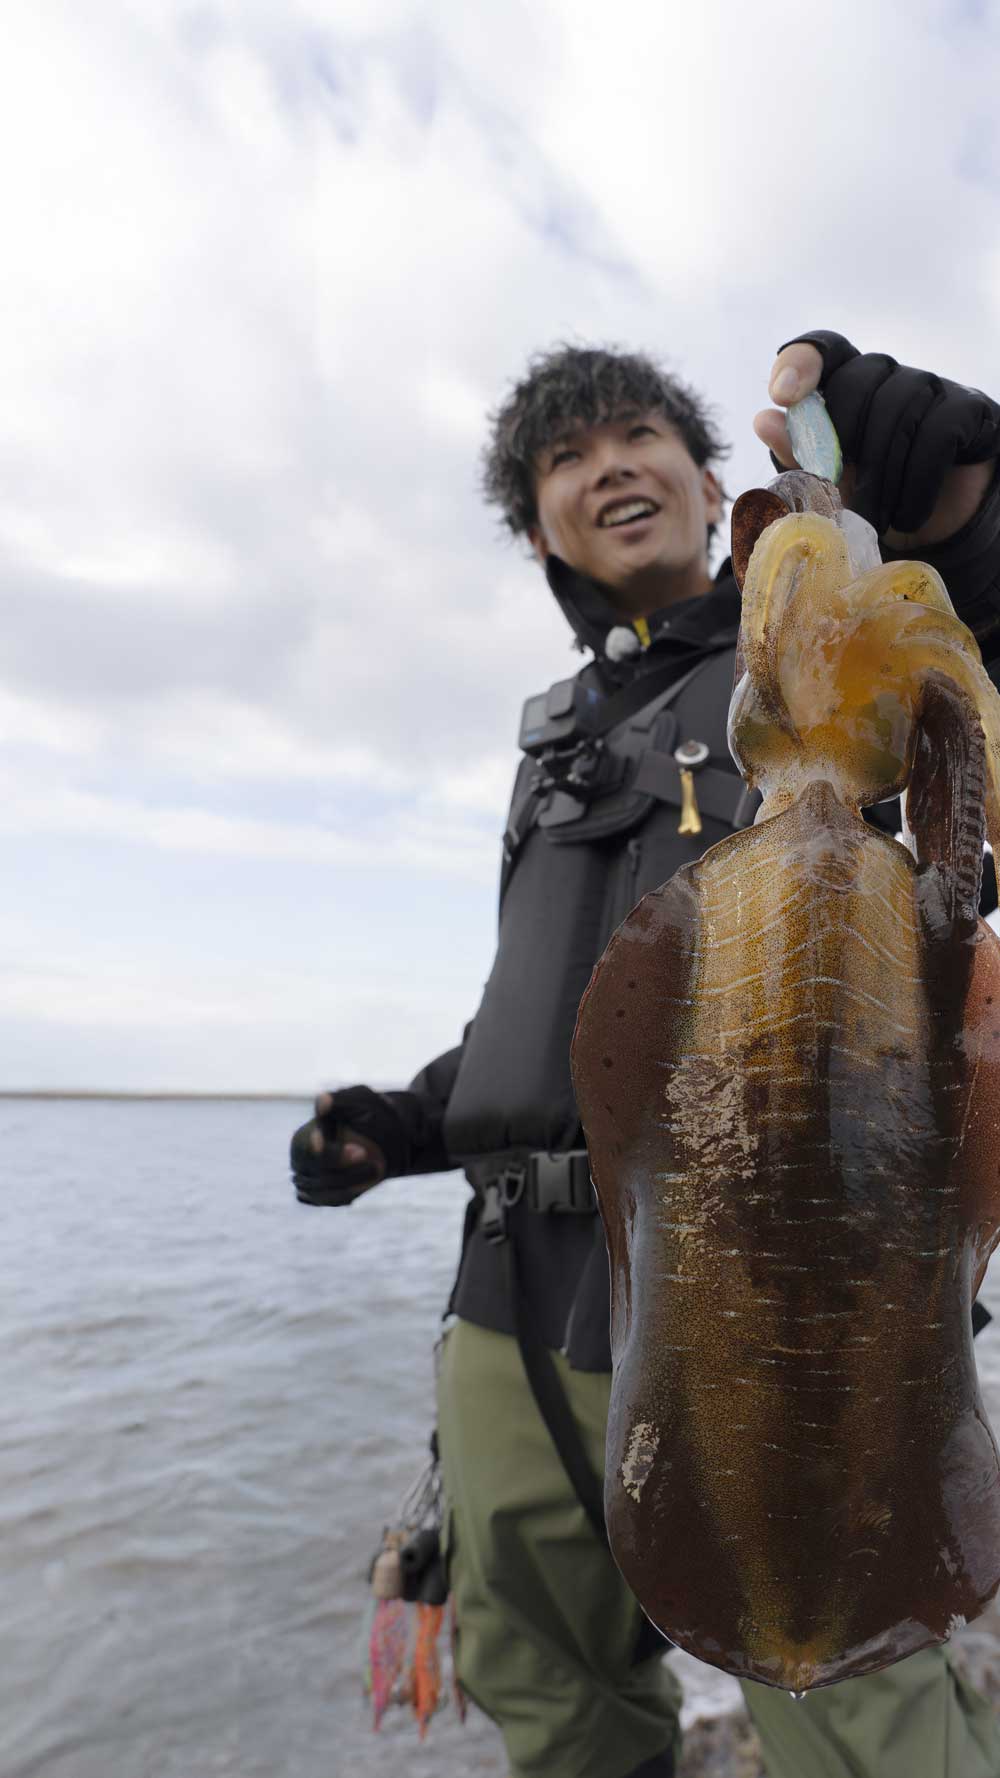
(100,1093)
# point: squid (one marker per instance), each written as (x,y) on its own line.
(788,1068)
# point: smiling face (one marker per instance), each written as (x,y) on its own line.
(625,503)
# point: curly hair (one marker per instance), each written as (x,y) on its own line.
(581,386)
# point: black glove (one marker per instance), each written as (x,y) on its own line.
(902,429)
(323,1177)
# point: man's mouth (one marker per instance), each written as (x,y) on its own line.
(626,512)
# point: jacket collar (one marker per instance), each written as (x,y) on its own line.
(709,620)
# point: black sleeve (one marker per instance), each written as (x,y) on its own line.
(969,565)
(422,1106)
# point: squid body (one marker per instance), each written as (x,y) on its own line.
(788,1068)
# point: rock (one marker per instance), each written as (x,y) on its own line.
(721,1747)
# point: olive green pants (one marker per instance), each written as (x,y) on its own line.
(547,1627)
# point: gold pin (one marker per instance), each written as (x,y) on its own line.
(689,756)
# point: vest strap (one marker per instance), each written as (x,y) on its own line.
(648,692)
(551,1402)
(557,1416)
(720,794)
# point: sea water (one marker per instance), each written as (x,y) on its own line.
(211,1399)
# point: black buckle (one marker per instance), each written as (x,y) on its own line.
(499,1196)
(584,771)
(559,1184)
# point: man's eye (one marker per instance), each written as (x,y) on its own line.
(563,456)
(634,431)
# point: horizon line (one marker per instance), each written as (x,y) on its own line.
(141,1093)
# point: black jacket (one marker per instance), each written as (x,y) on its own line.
(506,1090)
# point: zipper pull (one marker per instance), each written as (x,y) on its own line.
(689,756)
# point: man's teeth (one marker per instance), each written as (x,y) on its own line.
(624,515)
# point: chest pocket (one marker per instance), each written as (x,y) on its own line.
(695,710)
(652,808)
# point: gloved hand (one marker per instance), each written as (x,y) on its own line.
(919,450)
(336,1156)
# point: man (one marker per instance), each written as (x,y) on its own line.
(607,467)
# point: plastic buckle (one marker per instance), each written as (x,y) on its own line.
(546,1182)
(582,1197)
(493,1221)
(560,1184)
(499,1196)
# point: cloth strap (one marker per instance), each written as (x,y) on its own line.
(646,686)
(551,1402)
(663,684)
(550,1399)
(720,794)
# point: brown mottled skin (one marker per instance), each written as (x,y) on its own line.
(788,1067)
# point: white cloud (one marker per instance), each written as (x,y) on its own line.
(210,735)
(29,722)
(482,784)
(266,269)
(452,405)
(421,837)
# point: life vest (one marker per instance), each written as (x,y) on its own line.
(574,870)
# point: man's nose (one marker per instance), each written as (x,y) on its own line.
(610,466)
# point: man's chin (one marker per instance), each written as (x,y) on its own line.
(630,567)
(646,586)
(638,568)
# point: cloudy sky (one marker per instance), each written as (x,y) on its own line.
(267,264)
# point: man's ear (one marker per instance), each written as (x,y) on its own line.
(713,497)
(536,538)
